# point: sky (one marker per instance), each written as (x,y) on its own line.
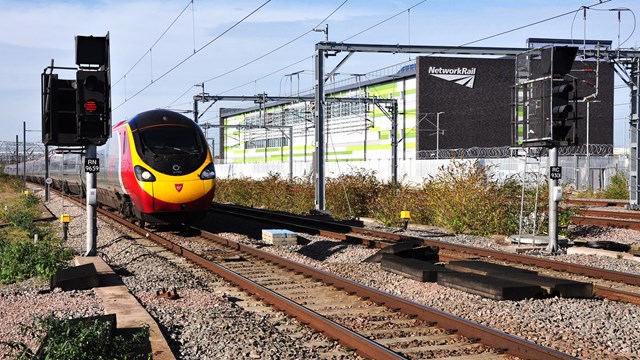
(161,50)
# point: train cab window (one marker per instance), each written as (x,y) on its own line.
(164,140)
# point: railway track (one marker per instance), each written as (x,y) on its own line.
(605,213)
(597,202)
(608,218)
(376,324)
(609,284)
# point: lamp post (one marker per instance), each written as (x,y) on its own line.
(438,134)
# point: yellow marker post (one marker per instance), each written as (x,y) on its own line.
(405,216)
(65,219)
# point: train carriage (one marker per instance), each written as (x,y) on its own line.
(156,168)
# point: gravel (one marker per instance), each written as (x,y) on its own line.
(206,322)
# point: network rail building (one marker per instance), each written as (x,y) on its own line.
(447,106)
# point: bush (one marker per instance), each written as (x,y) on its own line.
(349,195)
(465,198)
(619,187)
(272,192)
(66,339)
(20,256)
(20,260)
(386,207)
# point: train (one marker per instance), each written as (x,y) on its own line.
(155,169)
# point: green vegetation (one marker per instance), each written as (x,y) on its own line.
(21,256)
(464,197)
(618,188)
(90,340)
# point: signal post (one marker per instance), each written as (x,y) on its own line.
(77,112)
(545,113)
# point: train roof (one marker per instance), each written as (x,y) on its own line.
(158,116)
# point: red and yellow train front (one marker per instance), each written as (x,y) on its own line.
(166,167)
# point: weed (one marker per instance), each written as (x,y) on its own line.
(619,186)
(67,339)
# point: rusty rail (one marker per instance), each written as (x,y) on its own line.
(365,347)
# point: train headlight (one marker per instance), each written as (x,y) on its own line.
(209,172)
(143,174)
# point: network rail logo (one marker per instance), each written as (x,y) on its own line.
(461,76)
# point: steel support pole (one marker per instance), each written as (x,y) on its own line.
(394,146)
(437,136)
(195,111)
(17,157)
(46,172)
(588,152)
(320,147)
(91,197)
(553,205)
(634,163)
(24,155)
(291,152)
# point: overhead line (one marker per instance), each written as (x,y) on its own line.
(197,51)
(534,23)
(266,54)
(385,20)
(155,43)
(265,76)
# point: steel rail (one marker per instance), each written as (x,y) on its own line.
(597,202)
(617,214)
(488,336)
(616,294)
(604,274)
(603,221)
(365,347)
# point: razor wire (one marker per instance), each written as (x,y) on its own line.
(508,151)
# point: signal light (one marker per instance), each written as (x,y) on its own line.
(93,106)
(561,110)
(90,106)
(560,93)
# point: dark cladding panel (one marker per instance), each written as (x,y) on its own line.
(601,111)
(475,96)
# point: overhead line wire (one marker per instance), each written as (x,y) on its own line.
(197,51)
(534,23)
(155,43)
(266,54)
(385,20)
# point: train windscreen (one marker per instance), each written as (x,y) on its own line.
(171,139)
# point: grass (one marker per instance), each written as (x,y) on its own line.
(21,256)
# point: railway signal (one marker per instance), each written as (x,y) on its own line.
(561,109)
(92,106)
(93,99)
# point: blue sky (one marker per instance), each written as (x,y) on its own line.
(34,32)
